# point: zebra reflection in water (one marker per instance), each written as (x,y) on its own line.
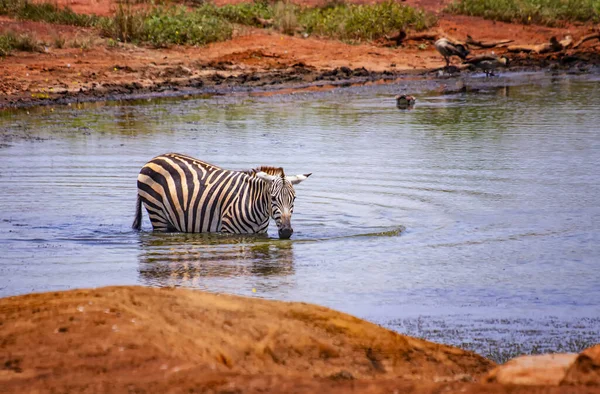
(191,259)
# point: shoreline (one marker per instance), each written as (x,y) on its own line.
(91,68)
(298,78)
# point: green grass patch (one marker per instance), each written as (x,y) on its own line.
(364,22)
(163,26)
(207,23)
(17,42)
(542,12)
(167,26)
(244,13)
(180,26)
(45,12)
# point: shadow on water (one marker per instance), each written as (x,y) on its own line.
(186,259)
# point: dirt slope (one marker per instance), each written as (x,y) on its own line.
(136,335)
(137,339)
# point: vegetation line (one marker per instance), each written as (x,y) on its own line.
(542,12)
(167,25)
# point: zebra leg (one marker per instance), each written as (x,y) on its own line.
(159,218)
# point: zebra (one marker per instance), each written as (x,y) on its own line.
(184,194)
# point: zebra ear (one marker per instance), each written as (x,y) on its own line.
(265,177)
(296,179)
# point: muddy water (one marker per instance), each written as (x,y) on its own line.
(473,219)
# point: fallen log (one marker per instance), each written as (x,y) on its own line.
(423,37)
(553,46)
(400,37)
(539,48)
(263,22)
(566,42)
(397,38)
(486,44)
(587,38)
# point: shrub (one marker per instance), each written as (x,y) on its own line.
(20,42)
(544,12)
(285,17)
(46,12)
(126,25)
(167,26)
(244,13)
(179,26)
(364,22)
(163,26)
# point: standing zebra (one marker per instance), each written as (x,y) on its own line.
(187,195)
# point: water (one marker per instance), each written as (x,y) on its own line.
(463,214)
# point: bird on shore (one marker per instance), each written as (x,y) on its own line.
(448,49)
(405,101)
(488,63)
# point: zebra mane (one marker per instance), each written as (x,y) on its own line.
(268,169)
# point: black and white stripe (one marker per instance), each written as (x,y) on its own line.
(185,194)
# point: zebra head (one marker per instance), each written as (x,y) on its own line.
(282,195)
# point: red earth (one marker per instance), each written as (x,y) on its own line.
(87,65)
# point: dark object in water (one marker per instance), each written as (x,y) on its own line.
(405,101)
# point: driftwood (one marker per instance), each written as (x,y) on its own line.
(423,37)
(479,58)
(263,22)
(587,38)
(528,48)
(566,42)
(553,46)
(401,36)
(397,38)
(486,44)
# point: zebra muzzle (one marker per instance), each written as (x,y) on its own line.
(285,232)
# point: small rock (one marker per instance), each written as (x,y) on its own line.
(539,370)
(585,370)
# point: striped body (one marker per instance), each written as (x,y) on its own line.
(185,194)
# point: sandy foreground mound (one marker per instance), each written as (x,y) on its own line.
(137,339)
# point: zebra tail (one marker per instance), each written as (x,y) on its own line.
(137,222)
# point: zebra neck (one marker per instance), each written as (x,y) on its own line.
(262,203)
(253,211)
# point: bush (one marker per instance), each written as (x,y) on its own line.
(167,26)
(180,26)
(364,22)
(163,26)
(21,42)
(285,17)
(125,26)
(46,12)
(544,12)
(245,13)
